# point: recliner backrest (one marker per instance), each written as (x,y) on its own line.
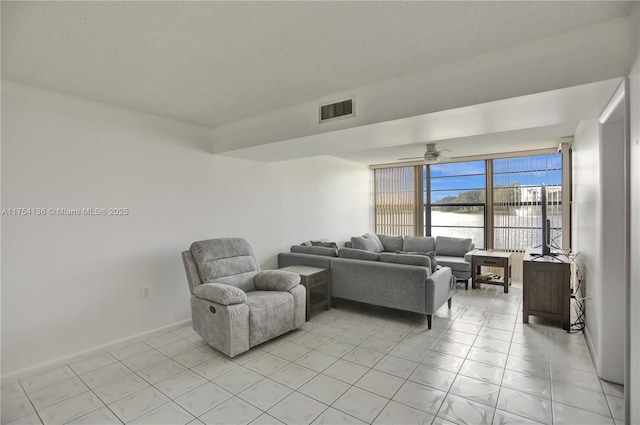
(227,260)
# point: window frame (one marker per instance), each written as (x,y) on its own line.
(423,221)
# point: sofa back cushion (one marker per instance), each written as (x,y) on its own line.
(357,254)
(228,260)
(376,239)
(391,243)
(453,247)
(315,250)
(364,243)
(409,259)
(418,244)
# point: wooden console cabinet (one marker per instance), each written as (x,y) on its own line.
(546,285)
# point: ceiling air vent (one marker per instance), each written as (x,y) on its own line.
(342,109)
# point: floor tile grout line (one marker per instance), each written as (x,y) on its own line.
(30,402)
(450,322)
(98,397)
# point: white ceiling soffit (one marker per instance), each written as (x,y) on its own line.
(213,63)
(464,147)
(554,110)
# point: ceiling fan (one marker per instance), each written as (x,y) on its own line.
(431,155)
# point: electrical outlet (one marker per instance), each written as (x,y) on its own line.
(145,293)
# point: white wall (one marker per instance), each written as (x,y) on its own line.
(612,296)
(599,236)
(586,223)
(72,283)
(633,385)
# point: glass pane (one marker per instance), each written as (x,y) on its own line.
(463,222)
(476,234)
(458,182)
(476,196)
(516,193)
(457,169)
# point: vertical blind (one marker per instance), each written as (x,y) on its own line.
(517,210)
(395,200)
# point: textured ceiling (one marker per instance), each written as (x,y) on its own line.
(213,63)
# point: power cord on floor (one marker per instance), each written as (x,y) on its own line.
(578,303)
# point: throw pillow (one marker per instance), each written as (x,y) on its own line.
(315,250)
(434,262)
(324,244)
(366,244)
(376,240)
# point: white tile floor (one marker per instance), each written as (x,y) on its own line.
(354,364)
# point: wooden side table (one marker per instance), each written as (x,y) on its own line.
(491,259)
(312,277)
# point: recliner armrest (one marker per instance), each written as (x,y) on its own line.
(276,280)
(220,293)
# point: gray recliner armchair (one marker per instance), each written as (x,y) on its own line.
(234,305)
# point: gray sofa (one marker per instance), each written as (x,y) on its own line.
(401,281)
(451,252)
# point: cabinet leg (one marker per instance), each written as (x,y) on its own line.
(449,302)
(428,321)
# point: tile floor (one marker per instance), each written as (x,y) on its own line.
(354,364)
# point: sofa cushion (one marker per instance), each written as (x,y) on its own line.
(358,254)
(409,259)
(325,244)
(418,244)
(315,250)
(270,315)
(455,247)
(391,243)
(216,258)
(366,244)
(457,264)
(376,240)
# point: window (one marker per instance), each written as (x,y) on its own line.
(516,200)
(495,202)
(454,198)
(395,201)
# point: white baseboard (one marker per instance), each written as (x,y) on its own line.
(95,350)
(592,350)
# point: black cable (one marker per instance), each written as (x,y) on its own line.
(579,324)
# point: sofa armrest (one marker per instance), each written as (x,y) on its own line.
(276,280)
(439,289)
(467,255)
(220,293)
